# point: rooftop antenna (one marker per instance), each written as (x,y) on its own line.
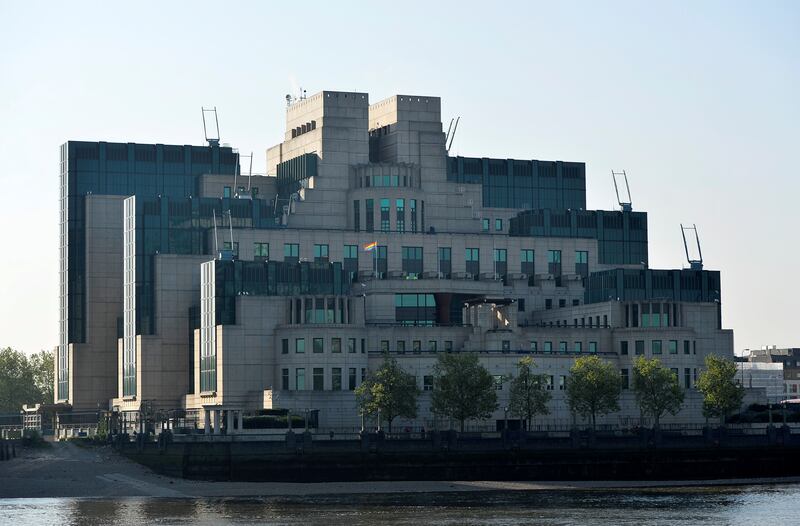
(694,264)
(625,206)
(289,100)
(447,135)
(212,141)
(453,136)
(249,174)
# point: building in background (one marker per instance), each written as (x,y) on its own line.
(789,361)
(366,239)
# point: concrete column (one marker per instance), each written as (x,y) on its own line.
(216,421)
(229,424)
(207,419)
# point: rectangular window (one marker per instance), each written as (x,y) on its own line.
(554,265)
(500,261)
(357,215)
(351,345)
(336,345)
(300,378)
(498,382)
(673,346)
(625,379)
(400,207)
(472,256)
(445,265)
(427,383)
(562,382)
(321,253)
(448,346)
(226,245)
(592,347)
(686,347)
(549,382)
(582,263)
(226,191)
(687,378)
(299,345)
(401,346)
(578,347)
(548,347)
(351,379)
(285,379)
(623,348)
(350,262)
(385,225)
(645,315)
(318,346)
(412,261)
(534,346)
(526,263)
(415,309)
(291,252)
(639,347)
(485,224)
(261,250)
(432,345)
(285,346)
(412,204)
(498,225)
(381,261)
(548,303)
(370,206)
(384,346)
(336,379)
(319,378)
(655,346)
(416,346)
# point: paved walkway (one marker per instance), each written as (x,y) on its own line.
(67,470)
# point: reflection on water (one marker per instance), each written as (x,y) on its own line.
(757,505)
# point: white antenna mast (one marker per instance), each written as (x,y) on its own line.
(694,264)
(625,206)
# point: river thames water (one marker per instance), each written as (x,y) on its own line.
(748,505)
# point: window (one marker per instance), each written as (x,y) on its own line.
(472,258)
(582,263)
(351,379)
(432,345)
(624,378)
(291,252)
(592,347)
(381,261)
(562,303)
(400,206)
(336,379)
(416,346)
(351,345)
(448,346)
(427,383)
(226,245)
(412,261)
(319,379)
(350,263)
(623,348)
(385,215)
(401,346)
(300,378)
(445,265)
(363,375)
(562,347)
(299,345)
(500,261)
(548,346)
(384,346)
(498,382)
(336,345)
(521,304)
(498,224)
(578,347)
(549,382)
(370,206)
(317,345)
(673,346)
(285,379)
(687,378)
(415,309)
(639,347)
(363,346)
(226,191)
(357,215)
(562,382)
(285,346)
(412,204)
(534,346)
(526,263)
(554,265)
(548,303)
(261,250)
(485,224)
(320,253)
(655,346)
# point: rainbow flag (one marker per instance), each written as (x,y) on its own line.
(370,246)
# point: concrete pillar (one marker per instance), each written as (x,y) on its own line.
(216,421)
(207,418)
(229,422)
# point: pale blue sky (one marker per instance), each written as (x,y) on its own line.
(698,101)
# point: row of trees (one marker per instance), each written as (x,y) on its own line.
(464,390)
(24,379)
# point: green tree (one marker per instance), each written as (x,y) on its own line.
(41,365)
(17,385)
(721,393)
(389,392)
(528,397)
(593,387)
(462,388)
(657,388)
